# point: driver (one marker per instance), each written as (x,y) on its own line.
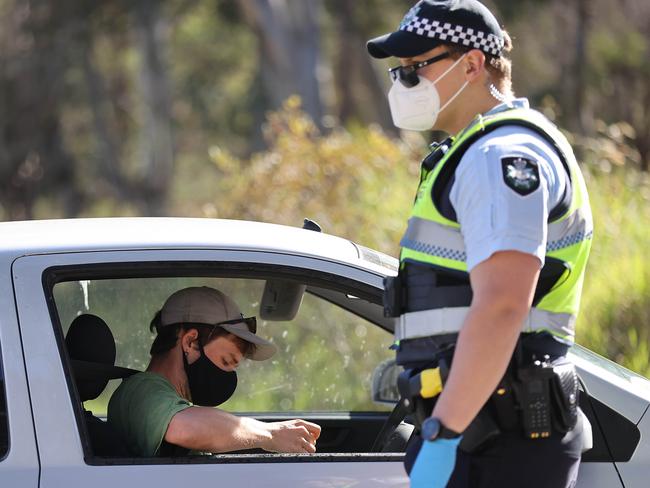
(202,337)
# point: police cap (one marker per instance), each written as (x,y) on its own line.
(466,23)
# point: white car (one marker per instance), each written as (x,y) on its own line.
(318,298)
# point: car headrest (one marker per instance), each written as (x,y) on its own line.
(91,347)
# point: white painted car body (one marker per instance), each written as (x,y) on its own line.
(46,448)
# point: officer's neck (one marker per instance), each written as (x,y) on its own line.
(475,100)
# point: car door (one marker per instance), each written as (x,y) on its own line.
(19,466)
(62,440)
(616,402)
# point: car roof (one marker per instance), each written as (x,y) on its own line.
(138,233)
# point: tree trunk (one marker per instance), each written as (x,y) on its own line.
(582,121)
(641,124)
(107,146)
(360,91)
(33,160)
(156,135)
(289,50)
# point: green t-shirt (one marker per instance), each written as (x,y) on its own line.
(140,411)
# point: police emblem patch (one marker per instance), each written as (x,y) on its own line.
(520,174)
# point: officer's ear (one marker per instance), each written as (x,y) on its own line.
(474,64)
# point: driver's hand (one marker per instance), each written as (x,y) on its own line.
(292,436)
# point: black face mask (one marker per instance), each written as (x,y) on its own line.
(209,384)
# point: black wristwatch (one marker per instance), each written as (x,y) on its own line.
(433,429)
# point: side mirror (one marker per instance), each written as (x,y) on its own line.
(384,382)
(281,300)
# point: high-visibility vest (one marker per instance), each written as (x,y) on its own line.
(435,239)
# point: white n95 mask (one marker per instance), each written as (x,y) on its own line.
(418,107)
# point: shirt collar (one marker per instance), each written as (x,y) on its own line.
(514,103)
(502,107)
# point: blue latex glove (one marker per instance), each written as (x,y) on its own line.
(434,464)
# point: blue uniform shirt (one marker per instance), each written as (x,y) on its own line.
(493,217)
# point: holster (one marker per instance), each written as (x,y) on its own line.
(416,386)
(564,394)
(394,296)
(513,402)
(420,388)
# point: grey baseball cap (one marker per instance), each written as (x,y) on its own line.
(209,306)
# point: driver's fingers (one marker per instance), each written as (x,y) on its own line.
(304,432)
(314,429)
(308,446)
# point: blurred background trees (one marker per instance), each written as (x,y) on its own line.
(272,110)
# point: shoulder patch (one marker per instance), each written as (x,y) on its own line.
(520,174)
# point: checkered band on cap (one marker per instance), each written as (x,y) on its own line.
(454,34)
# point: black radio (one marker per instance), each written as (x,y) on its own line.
(534,395)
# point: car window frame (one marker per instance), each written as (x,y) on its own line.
(207,268)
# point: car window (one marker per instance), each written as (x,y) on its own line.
(326,359)
(4,426)
(326,354)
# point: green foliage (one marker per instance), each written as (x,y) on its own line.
(627,50)
(615,314)
(214,68)
(356,183)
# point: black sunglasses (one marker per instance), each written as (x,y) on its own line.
(408,75)
(251,323)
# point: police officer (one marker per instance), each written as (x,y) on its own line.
(491,265)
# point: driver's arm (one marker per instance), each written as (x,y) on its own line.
(213,430)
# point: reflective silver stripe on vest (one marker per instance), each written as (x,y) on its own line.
(567,232)
(420,233)
(450,320)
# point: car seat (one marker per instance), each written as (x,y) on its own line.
(91,348)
